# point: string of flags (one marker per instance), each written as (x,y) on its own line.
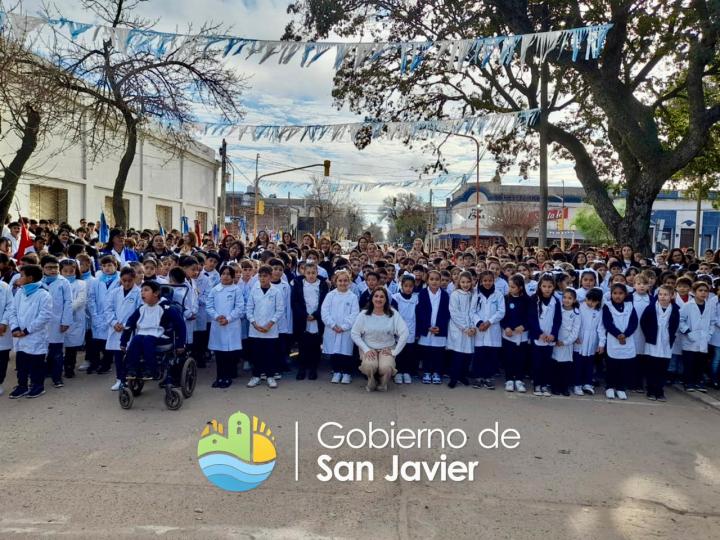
(490,124)
(342,185)
(459,53)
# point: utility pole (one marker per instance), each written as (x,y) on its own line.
(432,219)
(256,196)
(223,186)
(542,236)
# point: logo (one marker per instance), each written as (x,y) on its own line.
(240,460)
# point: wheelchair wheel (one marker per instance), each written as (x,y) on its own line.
(125,397)
(136,386)
(188,378)
(173,399)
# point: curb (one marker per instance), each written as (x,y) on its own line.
(708,399)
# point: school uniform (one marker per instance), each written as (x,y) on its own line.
(120,307)
(619,319)
(488,306)
(75,335)
(531,287)
(696,324)
(365,298)
(501,285)
(213,277)
(514,348)
(245,288)
(263,307)
(715,343)
(31,312)
(307,299)
(202,287)
(675,366)
(461,345)
(59,289)
(592,336)
(99,290)
(406,361)
(545,319)
(563,354)
(339,309)
(285,325)
(432,310)
(185,295)
(659,326)
(225,341)
(6,340)
(640,303)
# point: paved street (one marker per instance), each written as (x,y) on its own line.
(75,465)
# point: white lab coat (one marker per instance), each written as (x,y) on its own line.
(34,314)
(6,300)
(187,297)
(546,318)
(461,319)
(696,327)
(98,295)
(285,324)
(339,309)
(661,348)
(640,303)
(75,335)
(568,334)
(492,310)
(263,307)
(245,289)
(620,320)
(61,294)
(715,335)
(406,308)
(202,287)
(119,309)
(592,332)
(228,301)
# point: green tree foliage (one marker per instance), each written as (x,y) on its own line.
(592,227)
(408,216)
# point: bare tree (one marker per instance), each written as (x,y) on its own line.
(514,222)
(129,87)
(327,202)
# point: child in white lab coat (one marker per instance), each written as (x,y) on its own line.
(621,322)
(488,311)
(265,308)
(461,330)
(567,336)
(697,319)
(225,309)
(75,335)
(123,302)
(59,289)
(99,290)
(590,342)
(338,312)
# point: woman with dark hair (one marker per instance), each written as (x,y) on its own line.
(225,246)
(308,240)
(579,260)
(59,243)
(157,247)
(116,248)
(362,244)
(236,252)
(676,258)
(627,256)
(289,241)
(381,334)
(260,245)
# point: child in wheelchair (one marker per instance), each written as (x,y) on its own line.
(157,325)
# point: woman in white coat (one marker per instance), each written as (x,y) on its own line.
(461,330)
(75,335)
(338,313)
(225,309)
(122,303)
(6,342)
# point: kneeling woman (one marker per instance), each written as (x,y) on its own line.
(380,333)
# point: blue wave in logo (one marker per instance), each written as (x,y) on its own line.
(233,474)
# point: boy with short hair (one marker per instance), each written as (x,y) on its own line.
(99,291)
(265,307)
(285,324)
(308,293)
(61,293)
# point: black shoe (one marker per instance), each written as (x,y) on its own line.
(35,391)
(215,384)
(69,374)
(18,392)
(566,393)
(452,383)
(102,370)
(661,397)
(58,383)
(312,375)
(490,384)
(226,383)
(300,375)
(465,381)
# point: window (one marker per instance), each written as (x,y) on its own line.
(48,203)
(164,216)
(202,218)
(110,216)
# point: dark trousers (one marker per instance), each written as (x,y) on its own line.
(619,371)
(637,372)
(70,360)
(30,366)
(226,362)
(4,359)
(265,354)
(694,366)
(583,369)
(655,371)
(55,362)
(542,365)
(200,346)
(514,356)
(120,369)
(309,350)
(343,363)
(459,365)
(97,356)
(284,343)
(141,348)
(486,362)
(432,358)
(562,376)
(407,361)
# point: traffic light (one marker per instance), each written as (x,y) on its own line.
(261,207)
(326,167)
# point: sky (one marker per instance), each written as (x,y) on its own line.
(290,94)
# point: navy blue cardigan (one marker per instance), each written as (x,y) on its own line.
(423,313)
(535,331)
(649,323)
(517,312)
(297,301)
(610,325)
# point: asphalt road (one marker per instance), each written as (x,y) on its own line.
(73,464)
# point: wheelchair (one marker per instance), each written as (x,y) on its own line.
(178,376)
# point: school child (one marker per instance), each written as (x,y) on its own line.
(715,342)
(659,323)
(338,312)
(682,297)
(202,285)
(588,281)
(500,283)
(590,342)
(139,271)
(285,324)
(445,280)
(123,302)
(420,273)
(86,265)
(212,261)
(488,311)
(29,318)
(150,268)
(265,307)
(461,330)
(155,317)
(697,318)
(561,283)
(6,341)
(74,337)
(620,321)
(641,299)
(614,268)
(514,325)
(405,302)
(432,317)
(225,307)
(186,297)
(393,286)
(545,322)
(371,281)
(567,336)
(245,280)
(61,294)
(308,295)
(99,290)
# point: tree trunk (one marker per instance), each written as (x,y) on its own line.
(121,220)
(698,216)
(14,170)
(634,227)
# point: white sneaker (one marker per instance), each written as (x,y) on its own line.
(346,378)
(537,391)
(588,389)
(578,391)
(271,382)
(336,377)
(621,394)
(277,376)
(407,378)
(398,378)
(546,391)
(610,393)
(510,386)
(520,387)
(253,382)
(84,366)
(115,387)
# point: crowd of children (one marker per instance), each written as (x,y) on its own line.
(563,325)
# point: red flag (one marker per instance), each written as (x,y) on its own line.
(25,240)
(197,232)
